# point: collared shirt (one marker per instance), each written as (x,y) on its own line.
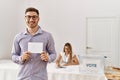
(34,68)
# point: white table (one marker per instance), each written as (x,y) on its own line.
(71,73)
(9,70)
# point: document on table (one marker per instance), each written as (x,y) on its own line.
(35,47)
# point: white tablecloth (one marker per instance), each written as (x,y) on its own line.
(9,70)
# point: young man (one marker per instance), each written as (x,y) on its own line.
(33,65)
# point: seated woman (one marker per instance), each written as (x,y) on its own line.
(66,57)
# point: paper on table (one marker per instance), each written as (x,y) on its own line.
(35,47)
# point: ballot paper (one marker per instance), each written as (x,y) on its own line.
(35,47)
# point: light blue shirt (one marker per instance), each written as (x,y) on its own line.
(34,68)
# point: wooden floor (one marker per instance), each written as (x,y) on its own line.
(112,73)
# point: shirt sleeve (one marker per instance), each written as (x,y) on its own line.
(15,53)
(51,49)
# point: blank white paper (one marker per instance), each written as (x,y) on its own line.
(35,47)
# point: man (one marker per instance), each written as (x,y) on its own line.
(33,65)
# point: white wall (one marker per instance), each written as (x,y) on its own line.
(65,19)
(8,23)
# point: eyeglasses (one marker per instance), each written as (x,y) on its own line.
(29,17)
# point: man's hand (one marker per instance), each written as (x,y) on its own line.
(44,56)
(25,56)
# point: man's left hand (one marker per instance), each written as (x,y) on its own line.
(44,56)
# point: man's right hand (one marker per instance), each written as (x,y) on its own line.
(25,56)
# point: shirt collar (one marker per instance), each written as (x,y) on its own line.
(38,32)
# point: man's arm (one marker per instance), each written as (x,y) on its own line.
(15,53)
(51,49)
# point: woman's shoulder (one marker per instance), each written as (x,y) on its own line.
(73,54)
(62,53)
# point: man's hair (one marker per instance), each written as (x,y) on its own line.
(32,9)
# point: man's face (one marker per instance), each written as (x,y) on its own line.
(31,19)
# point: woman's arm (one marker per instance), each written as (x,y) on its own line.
(58,60)
(75,60)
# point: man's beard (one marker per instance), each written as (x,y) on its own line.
(32,26)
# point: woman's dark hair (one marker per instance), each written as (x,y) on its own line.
(70,47)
